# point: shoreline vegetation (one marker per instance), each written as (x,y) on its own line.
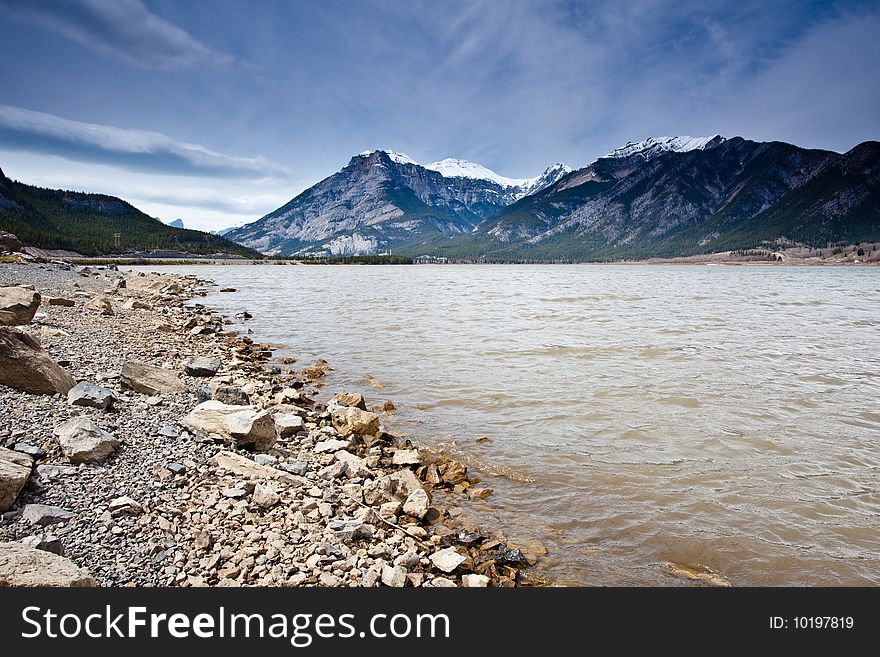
(858,254)
(144,444)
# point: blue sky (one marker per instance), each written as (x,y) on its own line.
(219,111)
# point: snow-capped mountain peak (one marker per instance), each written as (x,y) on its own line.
(455,168)
(394,156)
(655,145)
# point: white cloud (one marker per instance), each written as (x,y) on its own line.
(124,29)
(135,150)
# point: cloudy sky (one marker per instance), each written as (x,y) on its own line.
(218,111)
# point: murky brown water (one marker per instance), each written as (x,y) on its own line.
(725,416)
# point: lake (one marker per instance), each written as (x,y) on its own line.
(637,415)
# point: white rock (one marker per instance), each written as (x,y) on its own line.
(475,581)
(395,577)
(288,424)
(83,441)
(447,560)
(417,503)
(242,426)
(405,457)
(265,497)
(331,445)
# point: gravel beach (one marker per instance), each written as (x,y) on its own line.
(187,455)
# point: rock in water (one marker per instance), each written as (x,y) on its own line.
(25,366)
(15,468)
(349,420)
(201,366)
(89,394)
(354,399)
(100,304)
(18,304)
(243,426)
(150,380)
(24,566)
(83,441)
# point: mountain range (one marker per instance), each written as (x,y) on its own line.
(665,197)
(385,201)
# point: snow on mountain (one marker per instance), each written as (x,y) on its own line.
(455,168)
(399,158)
(655,145)
(551,175)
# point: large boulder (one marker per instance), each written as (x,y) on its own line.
(21,565)
(83,441)
(9,242)
(25,366)
(242,426)
(85,393)
(15,468)
(18,304)
(150,380)
(348,420)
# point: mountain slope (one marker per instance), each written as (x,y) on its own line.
(383,200)
(651,201)
(86,223)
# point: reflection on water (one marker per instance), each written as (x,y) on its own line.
(725,416)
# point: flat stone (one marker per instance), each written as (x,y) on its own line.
(202,366)
(49,471)
(349,530)
(125,506)
(30,450)
(405,457)
(168,431)
(447,559)
(233,493)
(240,465)
(21,566)
(298,468)
(150,380)
(265,459)
(15,468)
(175,468)
(331,445)
(60,301)
(43,514)
(83,441)
(85,393)
(443,583)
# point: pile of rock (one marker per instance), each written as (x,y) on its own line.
(191,461)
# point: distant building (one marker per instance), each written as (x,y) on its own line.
(430,260)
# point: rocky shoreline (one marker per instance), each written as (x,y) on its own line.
(173,452)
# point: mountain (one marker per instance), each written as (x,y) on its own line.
(87,223)
(175,223)
(385,201)
(681,196)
